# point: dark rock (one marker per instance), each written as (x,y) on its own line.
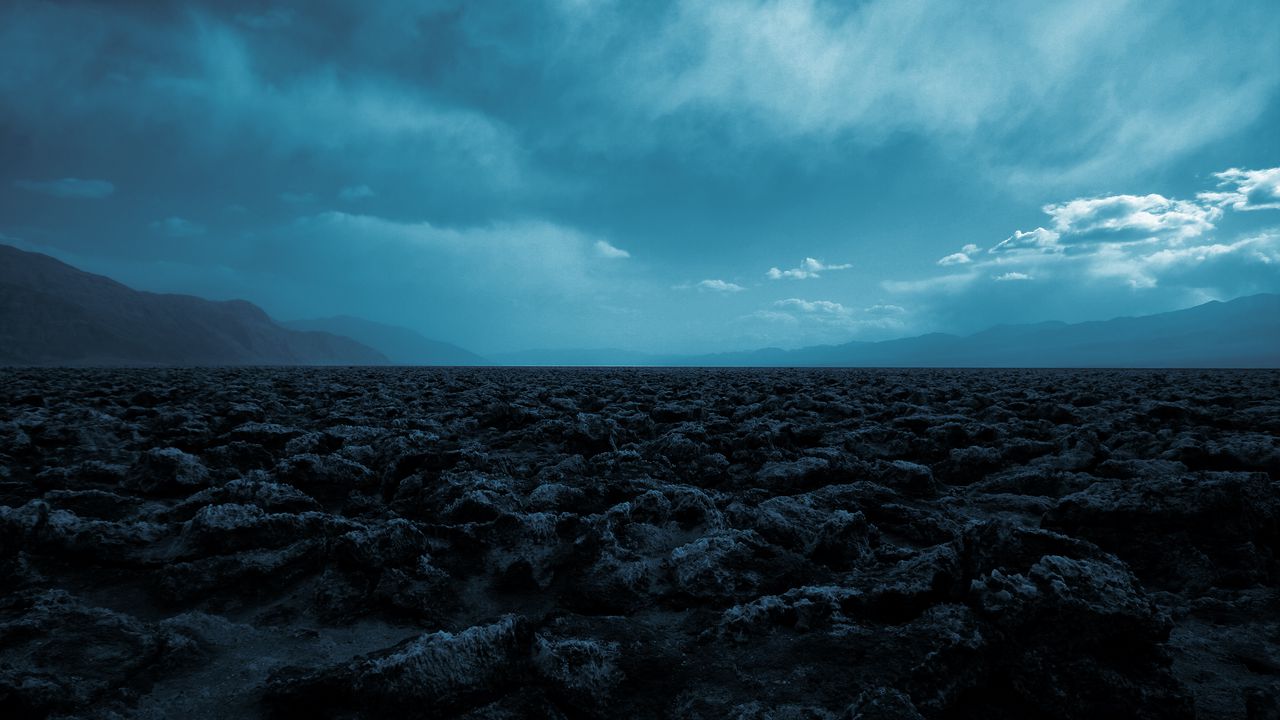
(684,543)
(1065,610)
(252,573)
(396,542)
(882,704)
(970,464)
(434,673)
(229,527)
(793,475)
(1193,530)
(37,529)
(423,592)
(730,564)
(97,504)
(253,490)
(240,456)
(556,497)
(60,656)
(326,476)
(269,435)
(168,471)
(584,672)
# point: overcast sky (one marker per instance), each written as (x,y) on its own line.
(664,176)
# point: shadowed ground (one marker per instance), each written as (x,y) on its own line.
(494,543)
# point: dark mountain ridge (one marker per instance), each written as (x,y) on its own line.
(54,314)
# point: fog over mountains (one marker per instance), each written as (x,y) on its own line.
(1244,332)
(53,314)
(402,346)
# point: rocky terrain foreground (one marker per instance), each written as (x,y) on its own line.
(756,544)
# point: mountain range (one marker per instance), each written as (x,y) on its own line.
(53,314)
(401,345)
(1244,332)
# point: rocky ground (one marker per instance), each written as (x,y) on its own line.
(755,544)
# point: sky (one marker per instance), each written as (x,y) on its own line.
(668,176)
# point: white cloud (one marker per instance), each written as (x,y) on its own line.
(1142,251)
(1146,270)
(1107,237)
(719,286)
(826,321)
(809,268)
(1138,253)
(1132,217)
(955,259)
(178,227)
(1113,219)
(1150,265)
(1038,240)
(886,309)
(970,249)
(812,306)
(604,249)
(355,192)
(1249,189)
(70,188)
(943,283)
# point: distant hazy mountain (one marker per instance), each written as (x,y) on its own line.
(1244,332)
(570,357)
(53,314)
(402,345)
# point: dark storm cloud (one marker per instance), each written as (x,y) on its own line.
(695,139)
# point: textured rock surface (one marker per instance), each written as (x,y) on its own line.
(639,543)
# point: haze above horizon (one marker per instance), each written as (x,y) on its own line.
(669,177)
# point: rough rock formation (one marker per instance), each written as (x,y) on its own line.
(491,543)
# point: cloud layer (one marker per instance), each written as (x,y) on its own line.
(608,173)
(1109,86)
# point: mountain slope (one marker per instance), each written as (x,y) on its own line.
(53,314)
(401,345)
